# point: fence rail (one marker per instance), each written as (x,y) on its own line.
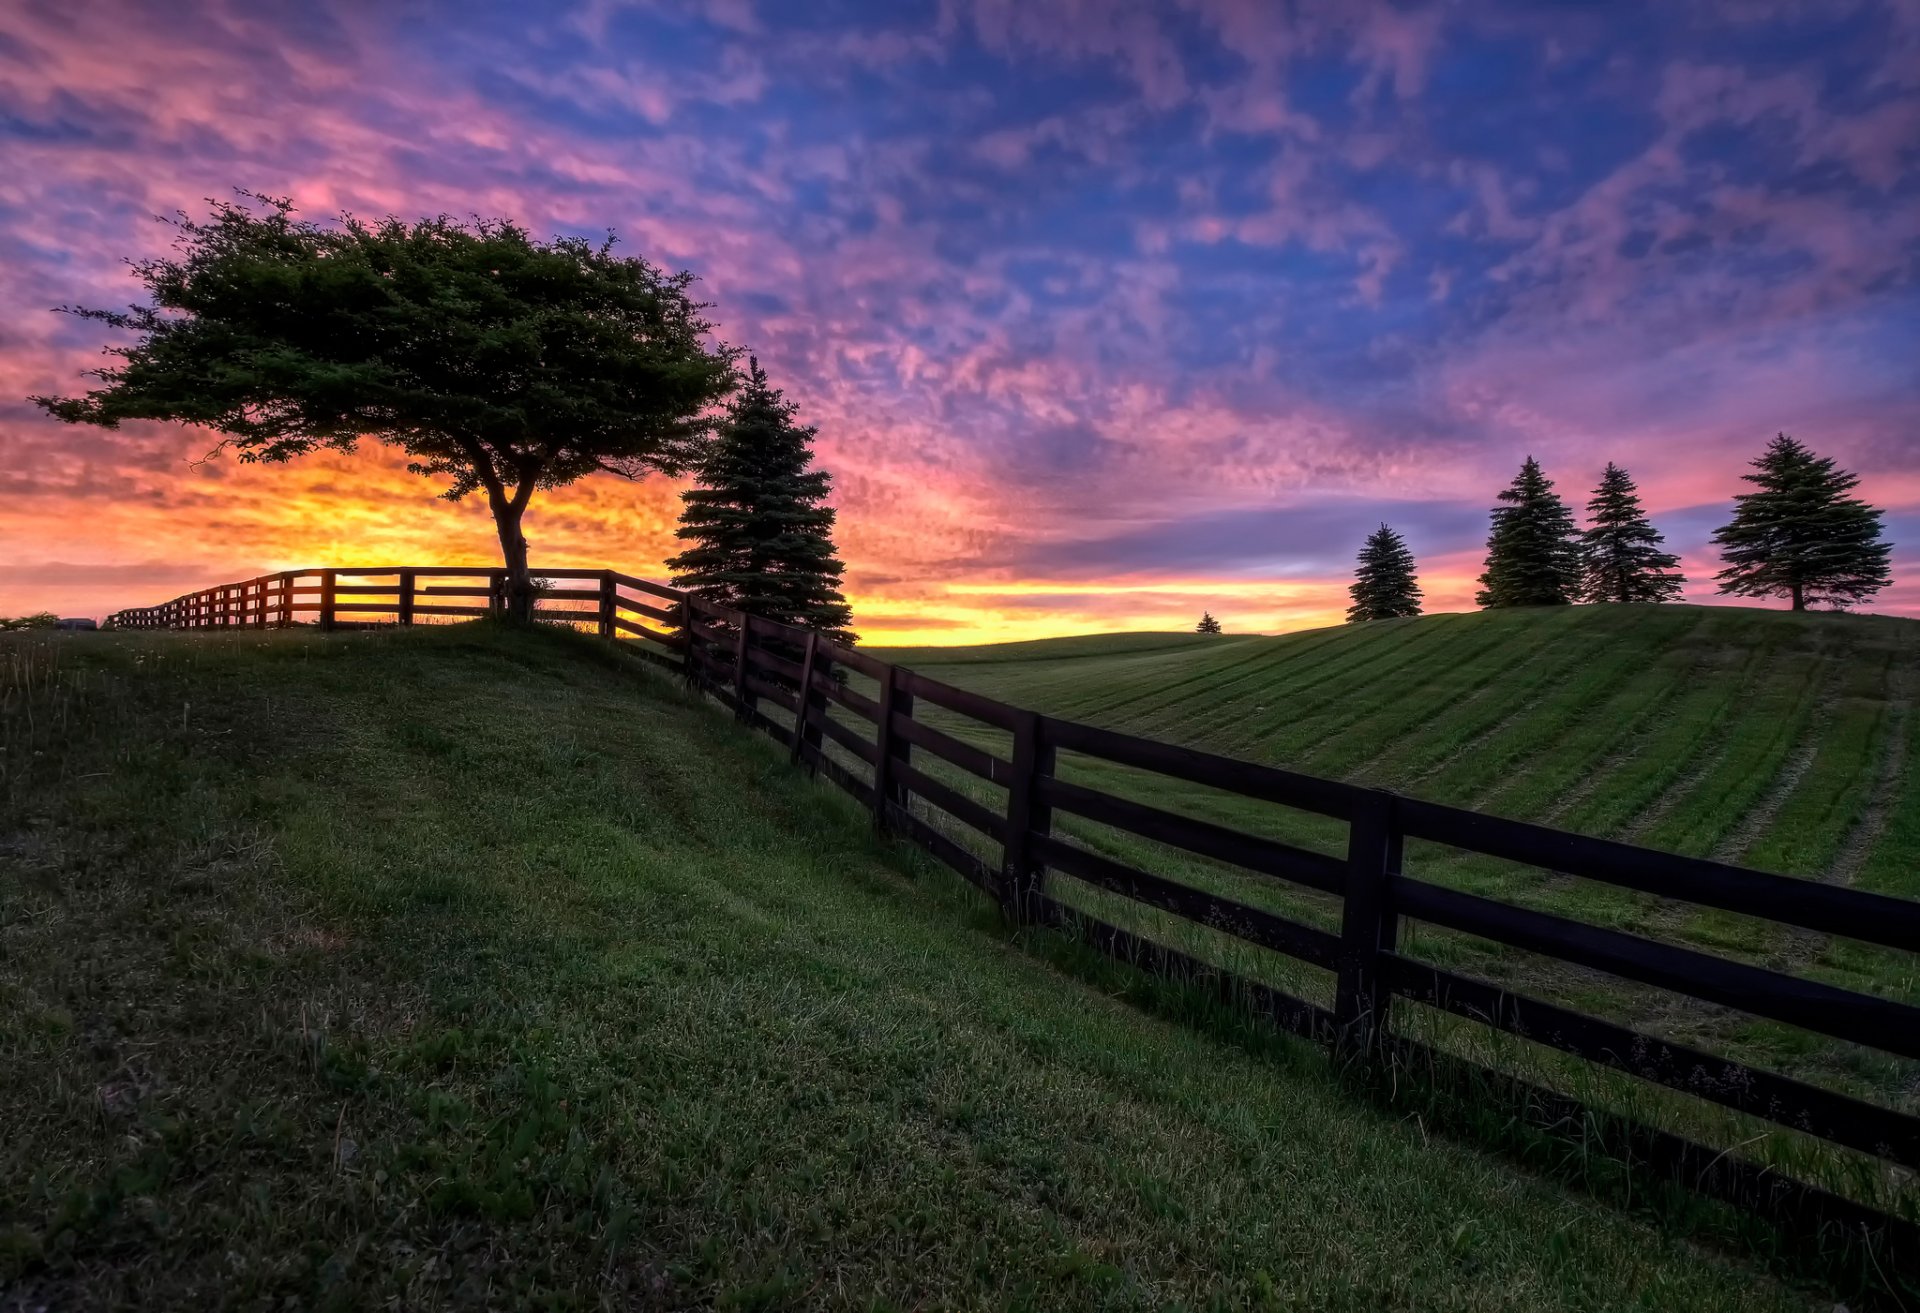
(750,663)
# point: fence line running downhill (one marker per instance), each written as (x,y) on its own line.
(758,662)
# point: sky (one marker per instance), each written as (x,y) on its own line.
(1107,312)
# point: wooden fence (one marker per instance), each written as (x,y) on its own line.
(752,664)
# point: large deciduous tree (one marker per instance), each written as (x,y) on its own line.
(1383,586)
(1800,536)
(1533,552)
(758,529)
(498,363)
(1620,556)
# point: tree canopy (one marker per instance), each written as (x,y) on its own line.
(1620,555)
(1533,556)
(1800,536)
(1383,586)
(758,529)
(496,362)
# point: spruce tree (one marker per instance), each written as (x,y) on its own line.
(1533,553)
(1207,625)
(1800,536)
(1620,556)
(758,529)
(1383,585)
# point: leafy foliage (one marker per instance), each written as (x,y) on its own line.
(498,363)
(1620,556)
(1383,586)
(1207,625)
(38,620)
(759,530)
(1533,556)
(1800,536)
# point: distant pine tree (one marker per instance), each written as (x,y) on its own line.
(1801,536)
(1620,556)
(759,532)
(1533,553)
(1383,586)
(1207,625)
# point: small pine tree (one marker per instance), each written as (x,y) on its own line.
(1207,625)
(759,532)
(1383,586)
(1801,536)
(1533,552)
(1620,556)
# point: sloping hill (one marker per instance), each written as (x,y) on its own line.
(462,968)
(1761,737)
(1781,741)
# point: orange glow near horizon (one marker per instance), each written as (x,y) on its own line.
(213,522)
(224,520)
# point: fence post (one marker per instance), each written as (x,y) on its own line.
(1022,878)
(892,749)
(688,665)
(1368,926)
(804,734)
(286,599)
(406,597)
(743,635)
(496,592)
(328,588)
(902,747)
(607,598)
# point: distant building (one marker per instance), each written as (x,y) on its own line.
(78,622)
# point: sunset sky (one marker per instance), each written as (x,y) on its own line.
(1107,312)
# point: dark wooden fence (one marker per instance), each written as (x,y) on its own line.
(752,664)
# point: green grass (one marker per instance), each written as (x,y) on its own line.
(461,968)
(1778,740)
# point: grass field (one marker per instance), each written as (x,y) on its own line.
(1765,738)
(465,967)
(1759,737)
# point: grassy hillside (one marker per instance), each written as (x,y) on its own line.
(1781,741)
(460,967)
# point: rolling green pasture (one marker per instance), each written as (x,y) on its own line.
(472,968)
(1780,741)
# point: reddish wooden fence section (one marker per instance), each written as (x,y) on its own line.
(343,598)
(751,664)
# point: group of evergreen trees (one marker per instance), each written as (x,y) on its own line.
(1537,557)
(760,535)
(1799,536)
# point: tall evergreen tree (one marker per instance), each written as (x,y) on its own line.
(1383,585)
(1533,552)
(1800,536)
(1207,625)
(758,529)
(1620,556)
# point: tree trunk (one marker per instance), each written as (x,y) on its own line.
(1799,596)
(513,552)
